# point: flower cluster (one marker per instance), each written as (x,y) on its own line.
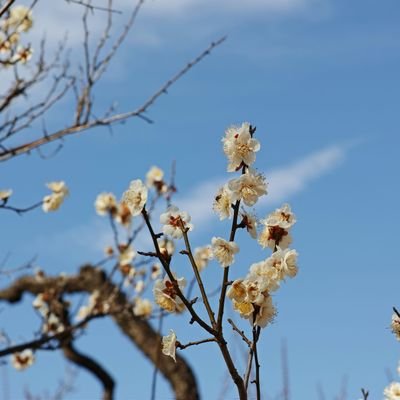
(174,221)
(95,306)
(53,201)
(18,21)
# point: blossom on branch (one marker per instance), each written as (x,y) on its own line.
(202,256)
(248,187)
(174,221)
(239,146)
(53,201)
(106,203)
(22,360)
(135,197)
(166,294)
(5,194)
(223,203)
(169,345)
(224,251)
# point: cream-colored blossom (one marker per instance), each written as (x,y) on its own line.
(20,19)
(139,287)
(224,251)
(22,55)
(53,201)
(166,246)
(223,203)
(392,391)
(154,179)
(52,325)
(22,360)
(202,256)
(40,304)
(135,197)
(5,194)
(166,295)
(95,306)
(173,220)
(155,271)
(250,223)
(265,314)
(143,308)
(248,187)
(126,254)
(123,215)
(272,236)
(267,273)
(169,345)
(395,325)
(105,203)
(239,146)
(282,217)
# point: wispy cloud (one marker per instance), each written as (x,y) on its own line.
(283,182)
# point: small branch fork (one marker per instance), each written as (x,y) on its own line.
(365,394)
(215,329)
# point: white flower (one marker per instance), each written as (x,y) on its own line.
(154,178)
(282,217)
(40,304)
(392,392)
(169,344)
(223,203)
(250,223)
(96,306)
(166,295)
(202,255)
(105,203)
(53,325)
(126,255)
(173,221)
(142,308)
(248,187)
(5,194)
(123,215)
(155,271)
(53,201)
(166,246)
(239,146)
(224,251)
(267,273)
(396,325)
(23,55)
(139,287)
(135,197)
(22,360)
(265,314)
(20,19)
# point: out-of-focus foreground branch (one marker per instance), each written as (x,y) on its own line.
(139,331)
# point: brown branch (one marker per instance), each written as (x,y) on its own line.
(365,394)
(6,7)
(241,333)
(8,153)
(185,346)
(88,363)
(140,332)
(20,211)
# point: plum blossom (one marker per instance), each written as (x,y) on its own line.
(169,345)
(173,221)
(224,251)
(106,203)
(202,256)
(166,294)
(20,19)
(135,197)
(395,325)
(239,146)
(22,360)
(142,308)
(250,223)
(223,203)
(392,391)
(248,187)
(53,201)
(5,194)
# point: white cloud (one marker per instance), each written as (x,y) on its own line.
(283,183)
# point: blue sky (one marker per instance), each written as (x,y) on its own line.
(320,81)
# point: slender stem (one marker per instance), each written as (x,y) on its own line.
(184,346)
(165,264)
(241,333)
(256,334)
(226,270)
(197,275)
(21,210)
